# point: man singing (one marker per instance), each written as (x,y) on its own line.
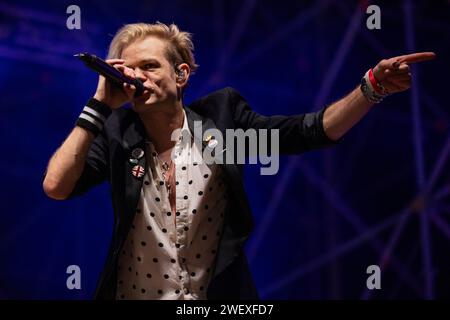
(180,226)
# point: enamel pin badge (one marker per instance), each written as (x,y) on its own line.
(138,171)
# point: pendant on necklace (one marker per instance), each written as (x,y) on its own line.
(165,166)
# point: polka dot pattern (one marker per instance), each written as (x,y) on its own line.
(169,254)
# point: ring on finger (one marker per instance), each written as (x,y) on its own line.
(383,89)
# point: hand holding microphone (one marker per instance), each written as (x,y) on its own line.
(121,86)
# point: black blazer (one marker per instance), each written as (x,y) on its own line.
(108,159)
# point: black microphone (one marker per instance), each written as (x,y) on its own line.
(109,72)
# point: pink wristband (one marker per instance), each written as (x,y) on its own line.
(374,82)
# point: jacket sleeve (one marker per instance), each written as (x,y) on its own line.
(297,134)
(96,168)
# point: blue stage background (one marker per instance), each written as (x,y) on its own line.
(381,197)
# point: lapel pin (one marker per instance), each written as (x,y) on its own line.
(133,161)
(137,153)
(212,143)
(138,171)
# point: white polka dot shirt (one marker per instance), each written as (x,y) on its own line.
(172,257)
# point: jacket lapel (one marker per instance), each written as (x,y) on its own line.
(135,167)
(231,170)
(206,124)
(236,227)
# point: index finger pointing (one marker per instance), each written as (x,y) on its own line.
(417,57)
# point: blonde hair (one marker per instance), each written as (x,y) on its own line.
(179,50)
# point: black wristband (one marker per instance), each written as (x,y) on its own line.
(94,116)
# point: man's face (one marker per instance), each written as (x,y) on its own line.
(148,59)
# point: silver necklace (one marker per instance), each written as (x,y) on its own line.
(165,166)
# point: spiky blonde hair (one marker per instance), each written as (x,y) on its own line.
(180,47)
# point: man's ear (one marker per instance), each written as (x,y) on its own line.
(182,74)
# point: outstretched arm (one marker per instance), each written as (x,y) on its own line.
(392,75)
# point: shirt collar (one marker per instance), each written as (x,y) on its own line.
(185,132)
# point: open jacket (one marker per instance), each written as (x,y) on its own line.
(108,159)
